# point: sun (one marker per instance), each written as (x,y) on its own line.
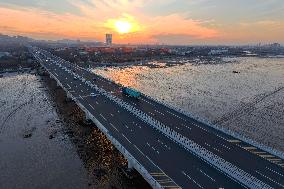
(123,26)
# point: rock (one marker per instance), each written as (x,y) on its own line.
(100,173)
(28,135)
(51,136)
(236,71)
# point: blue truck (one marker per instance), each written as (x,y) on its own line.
(130,92)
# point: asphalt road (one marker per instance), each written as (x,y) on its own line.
(166,160)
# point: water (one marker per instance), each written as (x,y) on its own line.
(245,95)
(34,152)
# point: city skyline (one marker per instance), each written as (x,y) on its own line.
(174,22)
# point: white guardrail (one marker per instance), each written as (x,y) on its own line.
(226,167)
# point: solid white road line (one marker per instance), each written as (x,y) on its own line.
(103,117)
(113,127)
(207,175)
(139,150)
(126,138)
(91,106)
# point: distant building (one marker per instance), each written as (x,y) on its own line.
(218,51)
(108,39)
(275,45)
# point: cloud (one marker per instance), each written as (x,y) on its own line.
(175,39)
(35,23)
(94,19)
(97,17)
(264,31)
(55,6)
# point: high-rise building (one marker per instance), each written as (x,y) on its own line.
(108,39)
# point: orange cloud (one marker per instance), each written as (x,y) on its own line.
(98,20)
(99,17)
(42,24)
(267,31)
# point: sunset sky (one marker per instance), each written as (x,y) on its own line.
(147,21)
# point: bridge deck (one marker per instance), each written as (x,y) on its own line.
(169,163)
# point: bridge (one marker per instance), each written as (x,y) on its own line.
(168,147)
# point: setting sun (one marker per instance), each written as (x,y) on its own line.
(122,26)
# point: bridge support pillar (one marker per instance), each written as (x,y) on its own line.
(87,120)
(58,86)
(130,164)
(68,98)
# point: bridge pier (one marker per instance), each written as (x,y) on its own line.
(57,85)
(41,71)
(68,98)
(130,164)
(88,119)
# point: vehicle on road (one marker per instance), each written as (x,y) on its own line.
(131,92)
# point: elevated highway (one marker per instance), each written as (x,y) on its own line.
(169,148)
